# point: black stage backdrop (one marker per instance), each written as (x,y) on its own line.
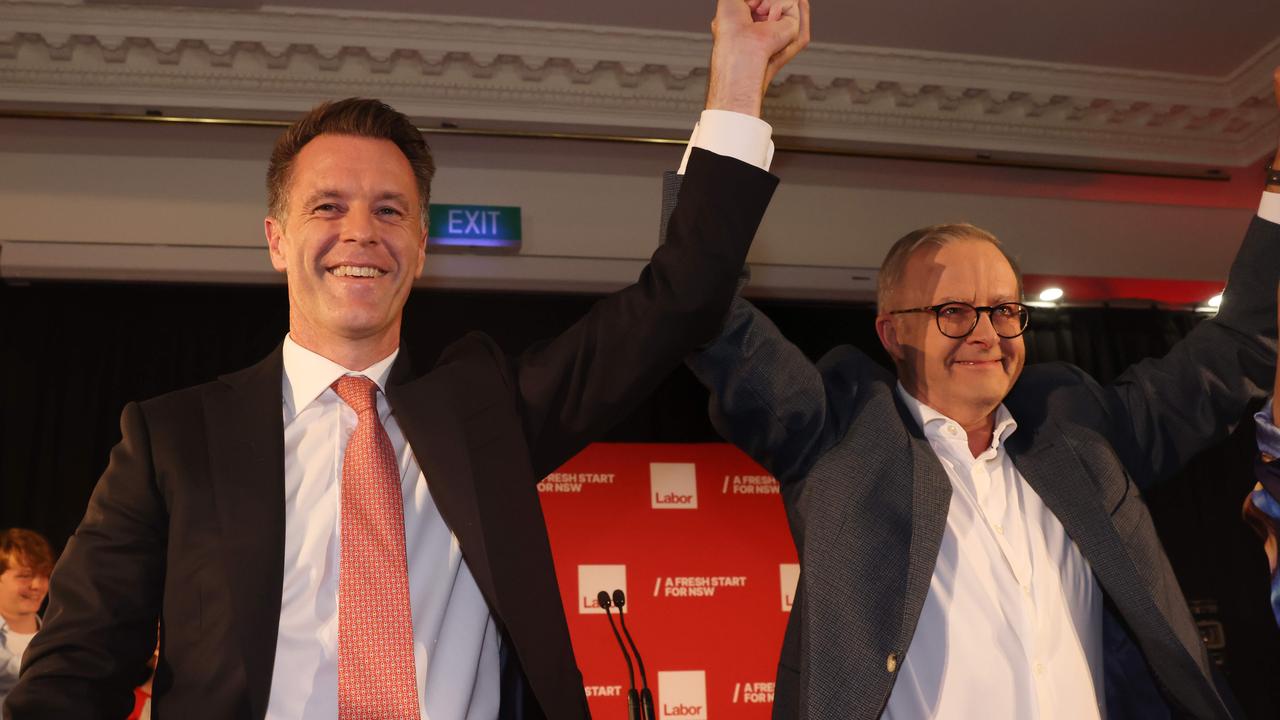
(73,354)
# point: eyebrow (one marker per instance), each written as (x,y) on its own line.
(319,195)
(999,300)
(396,196)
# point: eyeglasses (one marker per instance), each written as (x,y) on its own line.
(957,319)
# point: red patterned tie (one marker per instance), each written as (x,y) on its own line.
(376,677)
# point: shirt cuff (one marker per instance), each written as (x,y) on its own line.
(1269,209)
(1268,433)
(734,135)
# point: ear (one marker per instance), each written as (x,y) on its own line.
(275,233)
(422,250)
(887,330)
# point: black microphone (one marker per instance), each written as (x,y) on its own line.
(646,697)
(633,698)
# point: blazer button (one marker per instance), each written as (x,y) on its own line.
(891,663)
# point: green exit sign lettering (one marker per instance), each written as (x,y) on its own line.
(490,228)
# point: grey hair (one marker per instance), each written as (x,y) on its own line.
(895,263)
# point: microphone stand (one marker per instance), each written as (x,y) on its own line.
(633,698)
(646,697)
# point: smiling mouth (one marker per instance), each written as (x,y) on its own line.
(356,271)
(979,363)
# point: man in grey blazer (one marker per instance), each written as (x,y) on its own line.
(972,536)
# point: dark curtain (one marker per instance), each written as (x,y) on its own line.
(71,355)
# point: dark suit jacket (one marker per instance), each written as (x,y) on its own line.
(867,499)
(187,523)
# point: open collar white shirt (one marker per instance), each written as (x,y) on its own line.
(12,645)
(1012,623)
(456,643)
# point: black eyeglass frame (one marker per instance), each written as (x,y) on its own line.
(977,316)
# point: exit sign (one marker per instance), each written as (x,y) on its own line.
(491,228)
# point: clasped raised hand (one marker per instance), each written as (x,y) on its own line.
(754,39)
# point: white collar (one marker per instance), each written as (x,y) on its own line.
(4,626)
(931,421)
(307,375)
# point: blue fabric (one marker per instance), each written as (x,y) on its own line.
(1269,506)
(1268,433)
(1265,497)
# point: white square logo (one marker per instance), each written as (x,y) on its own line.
(674,486)
(790,577)
(682,695)
(594,578)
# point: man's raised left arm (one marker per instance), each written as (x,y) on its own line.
(574,387)
(1167,410)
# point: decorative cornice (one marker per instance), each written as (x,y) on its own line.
(488,73)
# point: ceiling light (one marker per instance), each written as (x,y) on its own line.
(1051,294)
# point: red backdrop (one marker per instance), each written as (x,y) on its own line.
(697,538)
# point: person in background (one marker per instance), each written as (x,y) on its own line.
(25,563)
(1262,507)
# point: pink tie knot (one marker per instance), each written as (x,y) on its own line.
(358,391)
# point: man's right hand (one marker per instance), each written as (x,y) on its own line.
(753,40)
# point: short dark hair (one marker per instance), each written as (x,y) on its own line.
(26,548)
(362,117)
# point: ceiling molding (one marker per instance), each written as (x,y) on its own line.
(487,73)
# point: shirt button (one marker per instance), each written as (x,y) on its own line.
(891,663)
(1026,590)
(952,429)
(1039,668)
(998,528)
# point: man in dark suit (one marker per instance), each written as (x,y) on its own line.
(327,535)
(973,538)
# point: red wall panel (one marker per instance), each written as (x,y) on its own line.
(697,537)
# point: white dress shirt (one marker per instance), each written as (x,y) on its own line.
(1012,624)
(1269,208)
(732,134)
(455,641)
(12,645)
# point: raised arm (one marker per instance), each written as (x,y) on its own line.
(1170,409)
(769,399)
(579,384)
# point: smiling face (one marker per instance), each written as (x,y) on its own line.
(966,378)
(351,242)
(22,590)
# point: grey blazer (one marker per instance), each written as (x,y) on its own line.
(867,498)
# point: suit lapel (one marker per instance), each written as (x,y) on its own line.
(876,615)
(245,424)
(1051,466)
(930,503)
(424,410)
(1048,463)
